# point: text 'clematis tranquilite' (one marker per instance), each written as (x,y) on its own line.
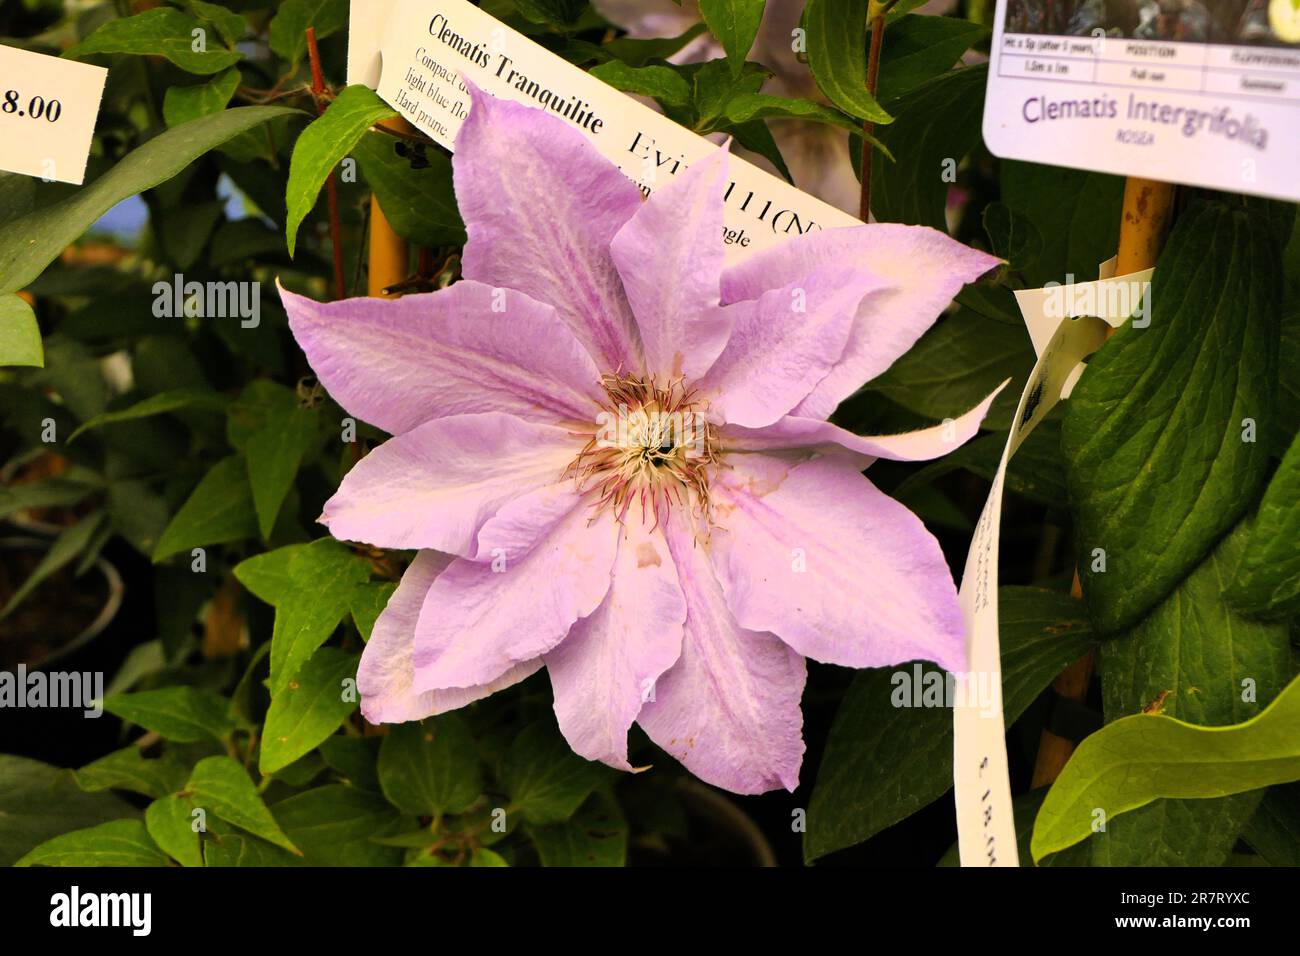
(613,457)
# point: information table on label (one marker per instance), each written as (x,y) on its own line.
(1266,73)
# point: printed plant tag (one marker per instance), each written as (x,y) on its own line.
(48,108)
(986,831)
(429,45)
(1186,92)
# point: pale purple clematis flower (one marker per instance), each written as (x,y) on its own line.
(612,455)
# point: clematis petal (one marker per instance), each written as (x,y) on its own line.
(607,666)
(540,206)
(543,563)
(838,570)
(670,256)
(794,433)
(784,343)
(387,669)
(729,708)
(468,348)
(924,268)
(435,486)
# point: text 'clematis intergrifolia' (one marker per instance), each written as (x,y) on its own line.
(612,455)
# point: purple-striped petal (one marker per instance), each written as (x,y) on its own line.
(838,570)
(468,348)
(435,486)
(729,708)
(541,206)
(607,666)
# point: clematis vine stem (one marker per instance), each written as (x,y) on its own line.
(318,91)
(876,12)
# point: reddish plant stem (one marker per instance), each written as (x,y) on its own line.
(873,73)
(331,185)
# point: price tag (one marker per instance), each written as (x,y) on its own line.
(48,108)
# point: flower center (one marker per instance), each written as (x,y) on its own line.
(652,445)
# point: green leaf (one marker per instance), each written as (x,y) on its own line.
(637,52)
(1138,759)
(887,758)
(267,574)
(938,125)
(20,336)
(323,577)
(70,543)
(561,13)
(545,779)
(184,103)
(918,48)
(368,602)
(1076,213)
(170,825)
(956,364)
(837,54)
(274,453)
(321,147)
(751,106)
(219,510)
(164,31)
(1012,235)
(419,203)
(1207,665)
(335,826)
(116,843)
(229,24)
(482,856)
(1274,830)
(735,24)
(38,802)
(181,714)
(1157,468)
(596,836)
(355,758)
(222,787)
(162,404)
(235,849)
(129,769)
(293,17)
(30,243)
(430,767)
(308,710)
(1267,580)
(662,83)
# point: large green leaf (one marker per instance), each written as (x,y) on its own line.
(171,826)
(30,243)
(116,843)
(837,53)
(222,787)
(184,103)
(1207,665)
(1077,215)
(308,710)
(431,766)
(884,761)
(1153,436)
(38,802)
(545,779)
(182,714)
(293,17)
(1267,580)
(321,147)
(129,769)
(1138,759)
(663,83)
(419,203)
(956,365)
(219,510)
(164,31)
(20,336)
(917,48)
(735,24)
(595,836)
(274,453)
(938,124)
(335,825)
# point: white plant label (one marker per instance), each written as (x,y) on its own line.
(48,108)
